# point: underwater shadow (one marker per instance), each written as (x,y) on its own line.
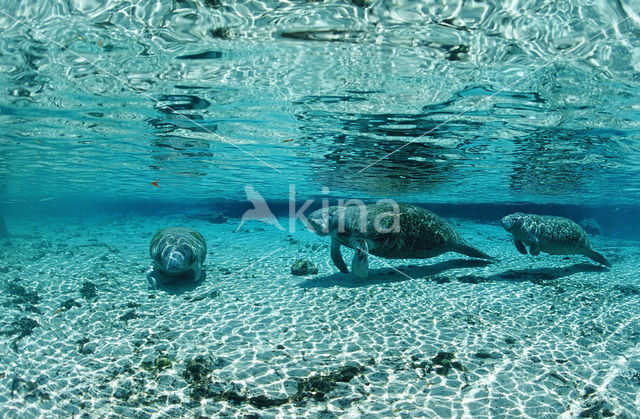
(540,275)
(389,275)
(180,287)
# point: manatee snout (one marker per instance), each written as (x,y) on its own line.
(509,222)
(319,221)
(176,260)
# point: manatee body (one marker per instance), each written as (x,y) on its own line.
(390,231)
(549,234)
(177,253)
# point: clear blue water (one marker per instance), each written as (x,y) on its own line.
(490,101)
(171,109)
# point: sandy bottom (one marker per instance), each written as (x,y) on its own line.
(83,334)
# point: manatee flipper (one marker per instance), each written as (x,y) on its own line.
(534,248)
(151,278)
(598,257)
(198,274)
(336,256)
(360,262)
(466,249)
(520,246)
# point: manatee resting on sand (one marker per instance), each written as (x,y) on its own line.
(177,253)
(389,230)
(549,234)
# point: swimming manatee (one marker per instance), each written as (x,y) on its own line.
(549,234)
(387,230)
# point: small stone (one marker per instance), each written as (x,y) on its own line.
(68,304)
(317,386)
(346,373)
(88,290)
(213,294)
(198,369)
(443,358)
(85,347)
(588,391)
(204,390)
(129,315)
(233,397)
(442,363)
(21,327)
(303,267)
(20,294)
(162,363)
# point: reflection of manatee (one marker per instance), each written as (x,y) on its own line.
(415,168)
(385,146)
(419,234)
(535,169)
(177,253)
(549,234)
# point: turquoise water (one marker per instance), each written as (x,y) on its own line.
(492,101)
(118,119)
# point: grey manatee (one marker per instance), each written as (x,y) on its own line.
(177,253)
(550,234)
(387,230)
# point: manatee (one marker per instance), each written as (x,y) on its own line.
(387,230)
(549,234)
(177,253)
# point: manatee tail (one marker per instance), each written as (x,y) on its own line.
(468,250)
(598,257)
